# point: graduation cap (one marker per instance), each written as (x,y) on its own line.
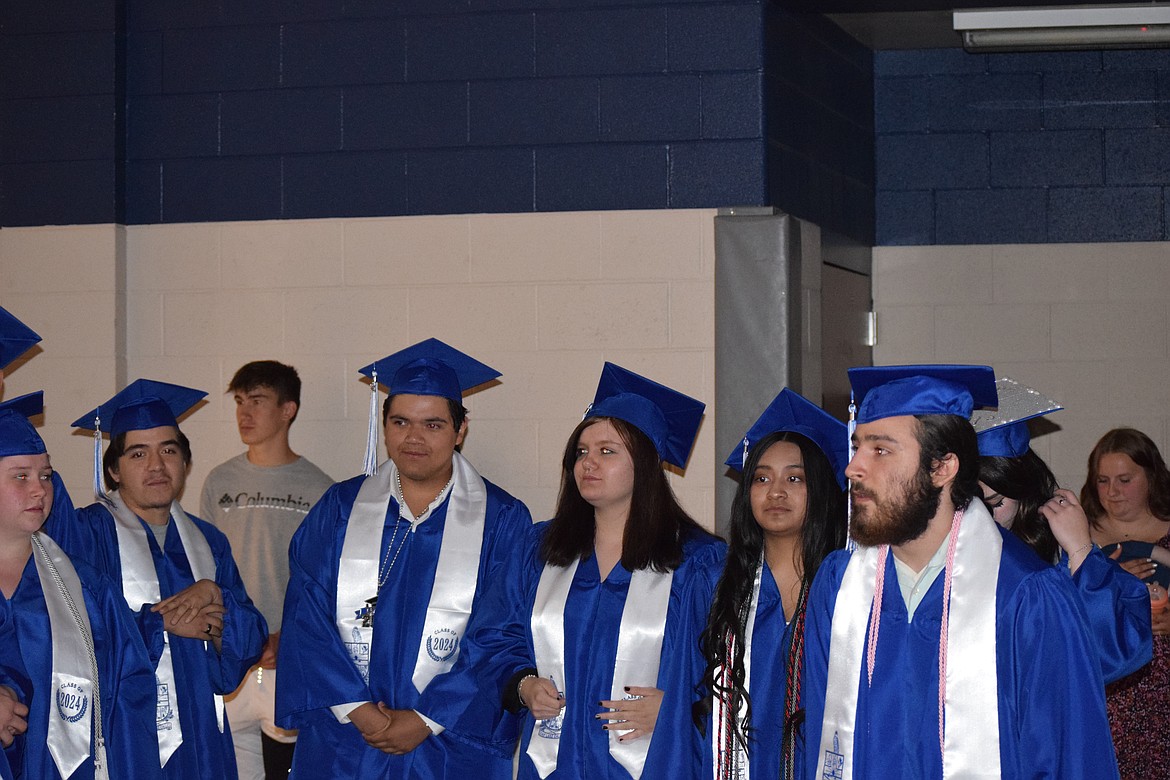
(669,418)
(895,391)
(1004,432)
(141,405)
(430,368)
(790,411)
(16,338)
(427,368)
(17,435)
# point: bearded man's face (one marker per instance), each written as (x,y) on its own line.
(893,497)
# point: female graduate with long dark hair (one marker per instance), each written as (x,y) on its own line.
(788,514)
(594,641)
(1023,496)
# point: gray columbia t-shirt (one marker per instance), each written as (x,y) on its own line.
(259,508)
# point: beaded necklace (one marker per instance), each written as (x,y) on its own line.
(388,561)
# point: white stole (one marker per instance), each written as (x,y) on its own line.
(140,586)
(639,653)
(722,743)
(970,746)
(75,709)
(456,571)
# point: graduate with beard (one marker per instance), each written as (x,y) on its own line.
(940,635)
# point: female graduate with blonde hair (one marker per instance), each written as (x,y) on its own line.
(88,684)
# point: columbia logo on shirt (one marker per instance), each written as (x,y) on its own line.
(287,501)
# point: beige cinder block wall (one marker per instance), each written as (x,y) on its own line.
(544,298)
(66,284)
(1086,323)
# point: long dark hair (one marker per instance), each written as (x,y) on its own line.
(822,532)
(657,525)
(1028,480)
(1141,450)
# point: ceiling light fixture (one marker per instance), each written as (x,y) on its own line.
(1067,28)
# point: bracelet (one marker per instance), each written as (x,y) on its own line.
(1080,550)
(520,685)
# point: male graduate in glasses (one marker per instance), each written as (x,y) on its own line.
(386,572)
(941,646)
(173,569)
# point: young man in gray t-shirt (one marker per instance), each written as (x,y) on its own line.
(258,499)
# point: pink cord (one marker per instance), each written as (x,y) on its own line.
(875,619)
(943,630)
(875,611)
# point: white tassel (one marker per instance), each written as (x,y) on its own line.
(370,466)
(98,492)
(743,458)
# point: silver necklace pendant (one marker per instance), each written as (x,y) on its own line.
(366,613)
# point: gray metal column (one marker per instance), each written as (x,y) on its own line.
(758,316)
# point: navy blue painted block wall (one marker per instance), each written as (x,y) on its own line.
(298,108)
(1021,148)
(820,124)
(151,111)
(820,117)
(61,130)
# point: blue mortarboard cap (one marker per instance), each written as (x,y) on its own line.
(16,338)
(1004,432)
(790,411)
(17,435)
(141,405)
(669,418)
(430,368)
(895,391)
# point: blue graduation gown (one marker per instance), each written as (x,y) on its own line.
(1052,719)
(766,683)
(206,754)
(502,646)
(1117,605)
(316,672)
(13,676)
(125,671)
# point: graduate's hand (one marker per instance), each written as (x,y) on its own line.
(638,715)
(407,731)
(206,625)
(268,656)
(186,604)
(1160,621)
(1069,525)
(1138,567)
(1160,555)
(372,721)
(541,697)
(12,716)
